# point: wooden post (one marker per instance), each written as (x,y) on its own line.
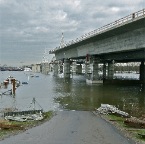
(13,87)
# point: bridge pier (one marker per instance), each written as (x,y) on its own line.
(74,67)
(87,70)
(55,68)
(104,71)
(142,72)
(110,70)
(60,67)
(94,76)
(79,69)
(66,69)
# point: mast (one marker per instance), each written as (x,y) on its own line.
(62,43)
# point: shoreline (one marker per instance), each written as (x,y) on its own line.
(124,130)
(47,116)
(71,127)
(114,123)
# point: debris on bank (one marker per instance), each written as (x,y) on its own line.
(32,115)
(4,125)
(128,120)
(135,122)
(110,109)
(23,116)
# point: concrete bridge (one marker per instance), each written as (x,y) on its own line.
(120,41)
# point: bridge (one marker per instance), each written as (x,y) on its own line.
(119,41)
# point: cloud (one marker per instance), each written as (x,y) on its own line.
(35,24)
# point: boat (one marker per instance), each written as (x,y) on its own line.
(26,69)
(15,118)
(24,82)
(36,117)
(22,116)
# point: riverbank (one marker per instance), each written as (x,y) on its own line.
(129,132)
(65,127)
(11,128)
(115,121)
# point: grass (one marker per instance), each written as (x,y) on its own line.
(134,133)
(17,127)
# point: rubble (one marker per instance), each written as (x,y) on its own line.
(110,109)
(135,122)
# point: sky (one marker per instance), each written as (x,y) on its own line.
(30,28)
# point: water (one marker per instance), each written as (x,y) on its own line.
(55,93)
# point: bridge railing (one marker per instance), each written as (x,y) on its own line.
(127,19)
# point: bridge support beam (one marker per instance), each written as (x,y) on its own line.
(110,70)
(142,72)
(66,70)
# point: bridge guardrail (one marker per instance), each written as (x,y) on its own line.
(127,19)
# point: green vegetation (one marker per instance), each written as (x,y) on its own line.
(73,103)
(14,127)
(136,133)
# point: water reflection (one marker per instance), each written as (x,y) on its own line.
(55,93)
(77,95)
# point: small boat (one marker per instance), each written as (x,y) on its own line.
(27,69)
(15,118)
(24,82)
(22,116)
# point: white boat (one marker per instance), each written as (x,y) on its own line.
(22,118)
(15,118)
(27,69)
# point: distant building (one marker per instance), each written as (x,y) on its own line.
(27,69)
(45,68)
(36,68)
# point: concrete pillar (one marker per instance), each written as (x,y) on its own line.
(142,72)
(104,71)
(88,71)
(110,70)
(45,68)
(95,73)
(60,67)
(79,69)
(55,68)
(66,70)
(74,66)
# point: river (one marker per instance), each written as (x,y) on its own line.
(56,93)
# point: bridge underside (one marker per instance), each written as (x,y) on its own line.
(128,56)
(121,57)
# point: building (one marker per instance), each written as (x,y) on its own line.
(36,68)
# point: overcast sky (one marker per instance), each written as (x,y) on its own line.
(27,27)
